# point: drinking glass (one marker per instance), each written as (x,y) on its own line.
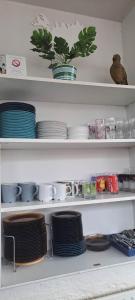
(100,128)
(93,191)
(132,127)
(86,190)
(119,129)
(92,131)
(126,130)
(110,128)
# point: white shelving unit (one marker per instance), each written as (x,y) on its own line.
(55,90)
(16,88)
(44,144)
(101,199)
(60,266)
(74,102)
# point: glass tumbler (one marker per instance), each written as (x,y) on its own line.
(93,190)
(126,130)
(132,128)
(132,183)
(110,128)
(86,190)
(92,131)
(119,129)
(100,128)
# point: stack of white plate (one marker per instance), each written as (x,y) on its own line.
(78,132)
(51,130)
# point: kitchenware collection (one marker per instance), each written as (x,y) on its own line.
(18,120)
(25,237)
(60,190)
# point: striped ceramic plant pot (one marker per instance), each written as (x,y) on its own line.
(65,72)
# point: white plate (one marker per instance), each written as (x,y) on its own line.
(51,123)
(52,134)
(78,131)
(77,138)
(78,134)
(53,138)
(80,128)
(52,128)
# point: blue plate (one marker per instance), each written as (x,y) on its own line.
(13,117)
(16,112)
(72,249)
(67,254)
(16,106)
(18,128)
(17,132)
(29,118)
(9,120)
(32,136)
(17,123)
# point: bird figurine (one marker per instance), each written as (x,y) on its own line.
(117,71)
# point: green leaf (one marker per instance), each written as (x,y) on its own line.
(35,50)
(84,46)
(49,56)
(61,46)
(42,40)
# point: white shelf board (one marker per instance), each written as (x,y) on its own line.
(59,266)
(42,144)
(100,199)
(55,90)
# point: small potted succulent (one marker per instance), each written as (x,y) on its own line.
(58,52)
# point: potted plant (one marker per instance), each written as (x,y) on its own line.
(58,52)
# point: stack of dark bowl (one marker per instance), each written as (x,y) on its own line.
(29,232)
(67,234)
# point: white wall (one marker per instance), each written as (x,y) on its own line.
(16,29)
(128,36)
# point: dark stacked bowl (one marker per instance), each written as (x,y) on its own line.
(17,120)
(29,231)
(67,234)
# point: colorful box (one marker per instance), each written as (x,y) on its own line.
(13,65)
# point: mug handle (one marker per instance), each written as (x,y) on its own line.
(36,190)
(54,190)
(76,190)
(19,190)
(70,190)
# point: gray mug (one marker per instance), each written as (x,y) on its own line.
(29,191)
(10,192)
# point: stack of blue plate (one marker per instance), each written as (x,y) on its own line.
(17,120)
(67,234)
(66,250)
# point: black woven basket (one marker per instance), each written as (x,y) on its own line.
(30,235)
(67,233)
